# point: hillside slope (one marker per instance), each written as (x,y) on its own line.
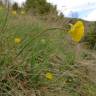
(37,58)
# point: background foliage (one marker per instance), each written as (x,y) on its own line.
(39,6)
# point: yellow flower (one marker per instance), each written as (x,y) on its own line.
(14,13)
(77,31)
(49,76)
(22,12)
(17,40)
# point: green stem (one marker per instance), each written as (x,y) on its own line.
(38,36)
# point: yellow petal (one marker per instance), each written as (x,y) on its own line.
(49,76)
(22,12)
(14,13)
(77,31)
(17,40)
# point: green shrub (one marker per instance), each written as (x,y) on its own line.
(90,38)
(15,6)
(39,6)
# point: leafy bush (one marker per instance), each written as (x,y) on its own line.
(90,38)
(15,6)
(39,6)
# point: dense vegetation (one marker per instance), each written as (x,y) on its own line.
(36,59)
(39,6)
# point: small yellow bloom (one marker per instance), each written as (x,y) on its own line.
(14,13)
(77,31)
(17,40)
(49,76)
(22,12)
